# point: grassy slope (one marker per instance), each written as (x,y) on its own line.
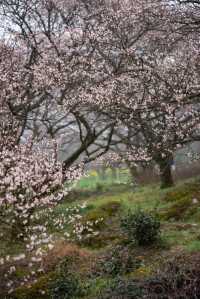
(179,213)
(182,230)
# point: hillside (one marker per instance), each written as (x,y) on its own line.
(100,261)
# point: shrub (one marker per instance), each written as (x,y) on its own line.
(117,261)
(67,284)
(121,288)
(179,278)
(66,287)
(141,227)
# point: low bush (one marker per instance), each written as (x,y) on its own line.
(67,284)
(66,287)
(117,261)
(141,227)
(121,288)
(179,278)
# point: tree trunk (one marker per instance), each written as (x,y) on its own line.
(165,172)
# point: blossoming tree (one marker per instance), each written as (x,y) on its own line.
(147,78)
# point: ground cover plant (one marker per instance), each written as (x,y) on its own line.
(141,227)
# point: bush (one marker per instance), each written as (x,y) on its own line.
(179,278)
(67,284)
(141,227)
(117,261)
(66,287)
(121,288)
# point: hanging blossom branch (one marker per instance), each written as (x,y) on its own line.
(30,179)
(33,181)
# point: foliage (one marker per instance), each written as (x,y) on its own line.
(95,285)
(67,284)
(178,278)
(118,260)
(141,227)
(66,287)
(101,265)
(121,288)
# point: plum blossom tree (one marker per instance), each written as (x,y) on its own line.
(31,174)
(32,177)
(122,61)
(40,67)
(92,67)
(147,78)
(51,37)
(113,60)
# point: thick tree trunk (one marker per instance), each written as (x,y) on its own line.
(165,172)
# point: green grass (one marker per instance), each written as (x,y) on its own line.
(93,180)
(193,246)
(149,198)
(100,193)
